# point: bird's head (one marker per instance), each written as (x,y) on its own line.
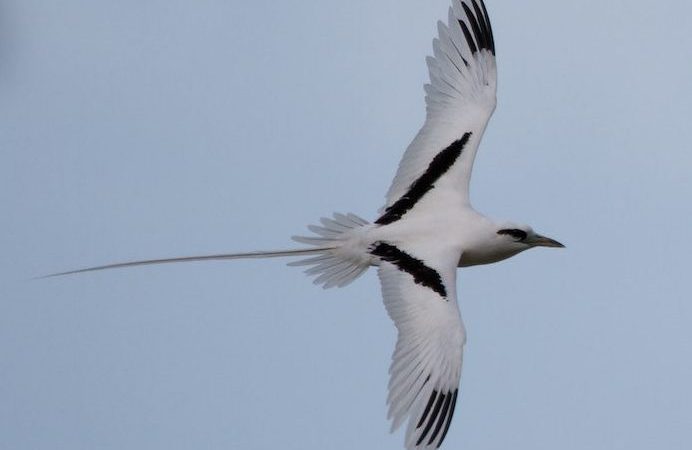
(506,240)
(522,237)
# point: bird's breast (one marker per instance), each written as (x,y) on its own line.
(475,255)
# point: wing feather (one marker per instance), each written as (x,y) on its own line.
(460,98)
(426,363)
(419,283)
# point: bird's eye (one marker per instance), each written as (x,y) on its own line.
(517,234)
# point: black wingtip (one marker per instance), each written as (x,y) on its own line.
(478,32)
(426,411)
(449,419)
(486,18)
(433,417)
(442,418)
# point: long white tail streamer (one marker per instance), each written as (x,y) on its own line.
(335,264)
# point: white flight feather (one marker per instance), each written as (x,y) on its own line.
(459,99)
(430,341)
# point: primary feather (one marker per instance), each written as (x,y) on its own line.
(460,97)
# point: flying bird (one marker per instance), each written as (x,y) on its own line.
(426,230)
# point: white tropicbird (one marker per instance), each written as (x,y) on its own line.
(426,230)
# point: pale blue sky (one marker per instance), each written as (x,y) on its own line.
(160,128)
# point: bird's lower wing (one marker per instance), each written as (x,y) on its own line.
(420,297)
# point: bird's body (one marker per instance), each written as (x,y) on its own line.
(426,230)
(471,236)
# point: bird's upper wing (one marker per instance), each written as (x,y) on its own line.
(420,296)
(459,100)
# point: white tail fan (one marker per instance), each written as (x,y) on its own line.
(337,262)
(343,251)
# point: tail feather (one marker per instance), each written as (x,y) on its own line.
(343,254)
(218,257)
(337,257)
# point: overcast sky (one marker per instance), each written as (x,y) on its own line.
(162,128)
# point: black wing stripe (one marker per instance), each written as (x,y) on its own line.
(421,273)
(432,418)
(440,164)
(449,419)
(442,419)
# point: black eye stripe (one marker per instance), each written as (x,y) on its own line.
(515,233)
